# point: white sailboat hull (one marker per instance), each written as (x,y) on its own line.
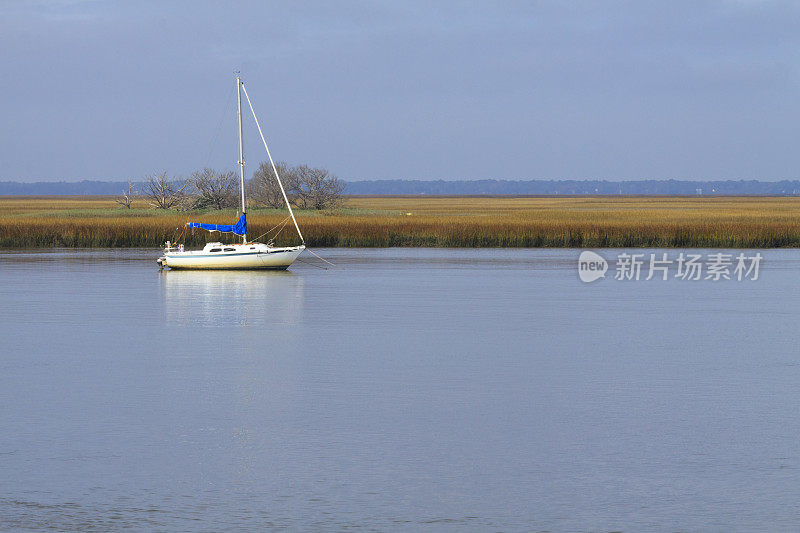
(240,258)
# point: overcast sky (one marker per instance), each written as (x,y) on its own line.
(373,90)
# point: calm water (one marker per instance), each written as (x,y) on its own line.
(463,390)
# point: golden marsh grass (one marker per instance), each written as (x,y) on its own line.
(731,222)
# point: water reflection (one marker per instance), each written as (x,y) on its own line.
(226,298)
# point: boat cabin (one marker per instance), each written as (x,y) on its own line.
(218,247)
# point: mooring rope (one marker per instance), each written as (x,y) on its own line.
(308,263)
(319,257)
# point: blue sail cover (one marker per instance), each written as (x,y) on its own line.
(240,228)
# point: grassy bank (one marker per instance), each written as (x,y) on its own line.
(730,222)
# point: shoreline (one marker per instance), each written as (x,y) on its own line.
(426,222)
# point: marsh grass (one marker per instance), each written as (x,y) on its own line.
(597,222)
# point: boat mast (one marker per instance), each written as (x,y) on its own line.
(241,145)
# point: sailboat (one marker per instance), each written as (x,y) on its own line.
(244,255)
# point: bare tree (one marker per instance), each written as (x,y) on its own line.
(318,188)
(163,192)
(128,196)
(217,189)
(263,188)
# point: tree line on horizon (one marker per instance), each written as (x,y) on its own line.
(305,187)
(492,187)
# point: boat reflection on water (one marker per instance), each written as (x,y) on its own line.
(231,297)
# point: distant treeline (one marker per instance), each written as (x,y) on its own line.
(552,187)
(466,187)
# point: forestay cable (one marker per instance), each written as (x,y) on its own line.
(271,162)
